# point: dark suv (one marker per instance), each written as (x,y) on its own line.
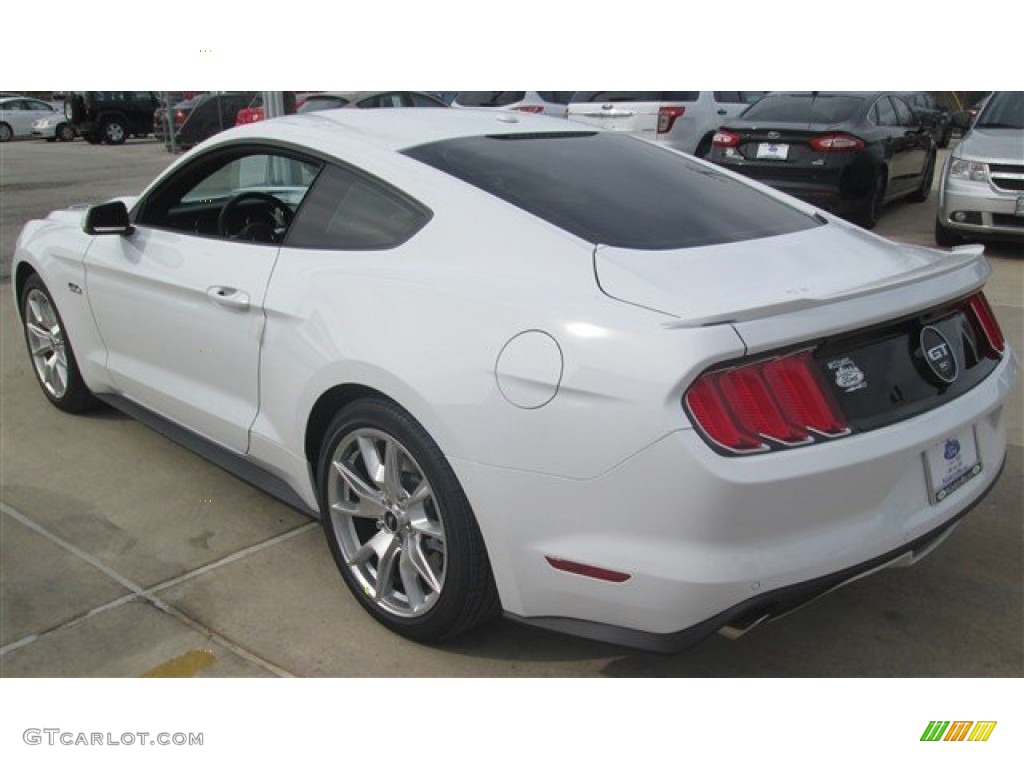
(111,116)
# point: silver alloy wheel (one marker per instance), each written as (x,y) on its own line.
(387,523)
(46,343)
(115,132)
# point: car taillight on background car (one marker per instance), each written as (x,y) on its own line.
(836,142)
(667,117)
(533,109)
(725,139)
(772,403)
(179,116)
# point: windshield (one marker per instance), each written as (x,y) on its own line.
(1004,110)
(804,108)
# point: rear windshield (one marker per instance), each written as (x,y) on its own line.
(805,108)
(489,98)
(615,190)
(585,97)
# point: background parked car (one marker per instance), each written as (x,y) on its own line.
(204,116)
(684,120)
(111,116)
(934,116)
(982,189)
(315,102)
(553,103)
(55,127)
(18,113)
(846,152)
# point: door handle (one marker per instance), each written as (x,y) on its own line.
(229,297)
(721,112)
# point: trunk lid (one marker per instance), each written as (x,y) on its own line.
(751,280)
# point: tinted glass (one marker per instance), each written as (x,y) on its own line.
(904,114)
(583,97)
(419,100)
(489,98)
(1005,109)
(556,97)
(885,113)
(804,108)
(348,211)
(614,189)
(316,103)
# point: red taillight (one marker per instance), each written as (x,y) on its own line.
(725,139)
(836,142)
(179,116)
(533,109)
(667,117)
(984,321)
(780,402)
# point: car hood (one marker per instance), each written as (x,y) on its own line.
(759,278)
(992,144)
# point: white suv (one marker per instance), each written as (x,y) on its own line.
(684,120)
(550,103)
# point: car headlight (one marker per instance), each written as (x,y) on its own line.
(968,170)
(41,123)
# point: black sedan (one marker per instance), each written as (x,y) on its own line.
(849,153)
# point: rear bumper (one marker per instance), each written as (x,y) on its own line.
(710,541)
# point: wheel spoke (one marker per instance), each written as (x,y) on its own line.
(424,525)
(421,494)
(374,468)
(386,568)
(40,337)
(407,571)
(359,486)
(362,508)
(378,545)
(418,559)
(36,311)
(393,471)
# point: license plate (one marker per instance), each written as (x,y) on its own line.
(772,151)
(951,464)
(1019,210)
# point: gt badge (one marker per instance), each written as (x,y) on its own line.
(849,377)
(938,355)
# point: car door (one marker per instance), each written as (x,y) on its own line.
(916,143)
(894,144)
(19,115)
(179,302)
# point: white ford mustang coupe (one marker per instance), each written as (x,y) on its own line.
(524,367)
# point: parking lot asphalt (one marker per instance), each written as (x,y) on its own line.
(123,554)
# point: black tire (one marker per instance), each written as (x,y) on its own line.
(6,133)
(463,594)
(947,237)
(114,131)
(70,394)
(920,194)
(66,132)
(94,137)
(871,208)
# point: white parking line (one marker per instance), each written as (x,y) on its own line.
(149,595)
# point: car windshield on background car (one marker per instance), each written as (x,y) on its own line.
(804,108)
(1004,110)
(649,199)
(586,97)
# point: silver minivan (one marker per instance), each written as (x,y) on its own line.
(684,120)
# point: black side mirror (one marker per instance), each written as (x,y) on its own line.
(108,219)
(961,119)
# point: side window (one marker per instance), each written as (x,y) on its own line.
(556,97)
(728,97)
(348,211)
(241,194)
(39,106)
(884,112)
(904,114)
(417,100)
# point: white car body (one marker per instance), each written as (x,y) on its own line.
(556,400)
